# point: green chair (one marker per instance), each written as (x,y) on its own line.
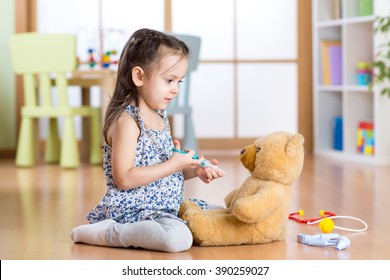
(44,61)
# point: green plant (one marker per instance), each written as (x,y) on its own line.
(381,64)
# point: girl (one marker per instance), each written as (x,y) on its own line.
(145,179)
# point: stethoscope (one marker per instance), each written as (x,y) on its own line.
(325,221)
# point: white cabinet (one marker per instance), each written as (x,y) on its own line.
(347,22)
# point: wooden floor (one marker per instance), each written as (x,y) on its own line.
(39,206)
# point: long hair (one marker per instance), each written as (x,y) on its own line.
(143,49)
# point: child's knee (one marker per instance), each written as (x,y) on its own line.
(178,238)
(179,243)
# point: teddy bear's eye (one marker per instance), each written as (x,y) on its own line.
(258,150)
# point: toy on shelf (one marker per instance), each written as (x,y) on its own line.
(100,45)
(106,58)
(365,138)
(91,60)
(77,62)
(363,74)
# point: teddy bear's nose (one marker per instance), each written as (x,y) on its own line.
(242,151)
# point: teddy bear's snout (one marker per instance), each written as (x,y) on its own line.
(248,157)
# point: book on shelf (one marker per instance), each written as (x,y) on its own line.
(338,133)
(331,61)
(335,64)
(336,9)
(365,7)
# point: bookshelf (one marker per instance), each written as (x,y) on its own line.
(341,107)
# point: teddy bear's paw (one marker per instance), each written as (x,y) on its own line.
(191,214)
(194,218)
(245,212)
(200,226)
(182,210)
(187,205)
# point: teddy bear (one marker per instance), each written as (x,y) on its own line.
(256,212)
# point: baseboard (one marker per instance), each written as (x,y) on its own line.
(224,143)
(7,153)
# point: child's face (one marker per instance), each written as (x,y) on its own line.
(162,85)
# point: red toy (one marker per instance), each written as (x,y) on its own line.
(298,216)
(91,60)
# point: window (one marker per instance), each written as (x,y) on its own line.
(248,48)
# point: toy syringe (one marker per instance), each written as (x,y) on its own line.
(205,163)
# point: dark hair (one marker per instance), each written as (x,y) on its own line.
(143,49)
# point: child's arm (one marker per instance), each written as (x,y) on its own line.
(122,137)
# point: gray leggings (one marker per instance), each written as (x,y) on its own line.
(164,234)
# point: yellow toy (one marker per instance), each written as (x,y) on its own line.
(257,212)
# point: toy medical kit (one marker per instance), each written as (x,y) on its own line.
(324,240)
(205,163)
(326,224)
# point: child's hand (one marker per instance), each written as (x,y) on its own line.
(208,174)
(186,160)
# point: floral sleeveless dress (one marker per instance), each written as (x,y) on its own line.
(158,199)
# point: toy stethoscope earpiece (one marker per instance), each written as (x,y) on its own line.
(326,225)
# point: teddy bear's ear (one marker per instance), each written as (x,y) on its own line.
(294,144)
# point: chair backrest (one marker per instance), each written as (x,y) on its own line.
(193,43)
(39,58)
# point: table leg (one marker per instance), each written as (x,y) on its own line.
(85,123)
(108,82)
